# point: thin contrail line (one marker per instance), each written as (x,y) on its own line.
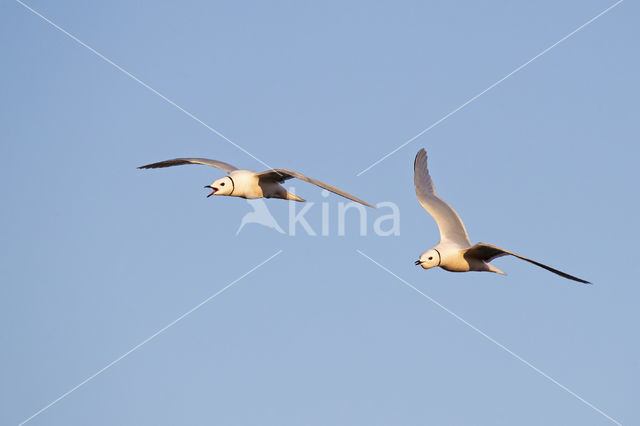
(492,340)
(490,87)
(145,341)
(142,83)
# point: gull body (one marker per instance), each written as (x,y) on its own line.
(246,184)
(250,184)
(454,252)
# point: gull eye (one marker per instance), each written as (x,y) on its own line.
(430,257)
(222,184)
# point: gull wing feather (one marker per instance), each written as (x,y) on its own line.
(449,223)
(180,161)
(280,175)
(487,252)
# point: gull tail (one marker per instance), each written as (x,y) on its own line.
(492,268)
(294,197)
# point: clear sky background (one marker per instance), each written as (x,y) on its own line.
(96,255)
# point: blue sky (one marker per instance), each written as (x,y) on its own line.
(97,256)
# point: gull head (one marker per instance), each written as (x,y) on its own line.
(222,186)
(429,259)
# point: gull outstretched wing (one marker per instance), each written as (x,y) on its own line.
(180,161)
(488,252)
(449,223)
(280,175)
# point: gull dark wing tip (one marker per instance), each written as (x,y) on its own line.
(153,165)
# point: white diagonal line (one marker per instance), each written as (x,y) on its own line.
(490,87)
(142,83)
(154,335)
(492,340)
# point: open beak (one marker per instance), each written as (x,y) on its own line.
(417,262)
(214,190)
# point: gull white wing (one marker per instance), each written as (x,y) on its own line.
(487,252)
(181,161)
(449,223)
(280,175)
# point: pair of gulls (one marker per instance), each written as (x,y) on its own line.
(453,253)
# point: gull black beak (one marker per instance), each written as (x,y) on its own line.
(211,187)
(417,262)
